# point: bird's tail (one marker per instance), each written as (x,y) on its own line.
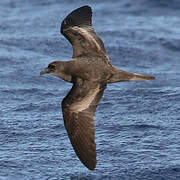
(120,75)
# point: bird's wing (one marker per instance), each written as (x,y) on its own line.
(77,28)
(78,109)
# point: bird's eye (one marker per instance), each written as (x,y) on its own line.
(51,66)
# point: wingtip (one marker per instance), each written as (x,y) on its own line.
(91,166)
(89,160)
(81,16)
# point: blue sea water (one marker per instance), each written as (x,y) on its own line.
(137,123)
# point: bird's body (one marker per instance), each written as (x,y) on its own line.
(85,68)
(90,71)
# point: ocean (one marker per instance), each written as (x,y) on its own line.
(137,123)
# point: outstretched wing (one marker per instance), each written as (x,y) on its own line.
(78,109)
(77,28)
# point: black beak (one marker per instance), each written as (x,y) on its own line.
(45,71)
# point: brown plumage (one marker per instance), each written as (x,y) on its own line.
(89,71)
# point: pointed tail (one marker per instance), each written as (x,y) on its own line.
(120,75)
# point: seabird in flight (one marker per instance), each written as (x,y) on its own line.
(89,71)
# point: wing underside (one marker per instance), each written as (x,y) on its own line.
(79,108)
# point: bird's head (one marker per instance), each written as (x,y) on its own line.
(59,69)
(53,68)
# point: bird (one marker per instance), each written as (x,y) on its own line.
(89,71)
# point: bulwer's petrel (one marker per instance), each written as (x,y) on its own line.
(89,71)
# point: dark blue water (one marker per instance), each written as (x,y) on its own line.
(137,123)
